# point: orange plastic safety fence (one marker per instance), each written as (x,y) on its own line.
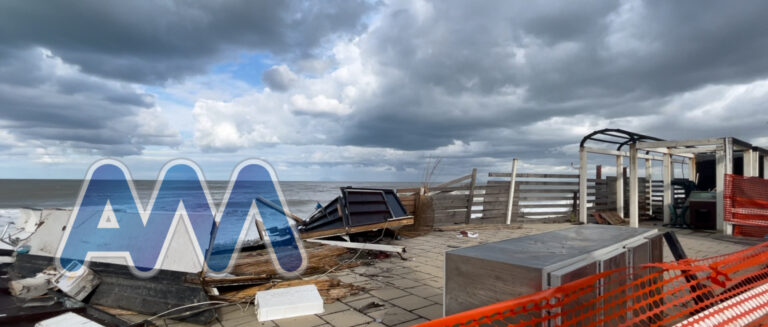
(723,290)
(746,205)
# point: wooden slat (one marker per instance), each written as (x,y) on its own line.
(407,190)
(450,206)
(356,229)
(547,213)
(557,183)
(449,197)
(544,198)
(529,206)
(453,181)
(546,175)
(550,191)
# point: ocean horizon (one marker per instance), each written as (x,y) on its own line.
(301,196)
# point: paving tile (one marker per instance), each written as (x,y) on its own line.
(411,302)
(355,297)
(418,276)
(425,291)
(392,316)
(347,318)
(412,322)
(436,298)
(352,278)
(252,323)
(388,293)
(364,302)
(334,307)
(434,282)
(404,283)
(431,312)
(303,321)
(371,284)
(244,318)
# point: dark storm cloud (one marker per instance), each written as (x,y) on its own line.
(467,70)
(72,73)
(151,42)
(278,78)
(45,100)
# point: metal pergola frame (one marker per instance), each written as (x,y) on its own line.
(723,148)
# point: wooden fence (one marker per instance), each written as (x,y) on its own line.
(536,197)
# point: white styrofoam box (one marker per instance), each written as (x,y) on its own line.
(68,319)
(77,285)
(288,302)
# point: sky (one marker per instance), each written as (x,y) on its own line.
(368,90)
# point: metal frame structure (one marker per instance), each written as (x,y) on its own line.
(623,138)
(723,148)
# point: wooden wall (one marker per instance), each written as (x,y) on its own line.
(537,197)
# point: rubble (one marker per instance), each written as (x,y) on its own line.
(104,290)
(77,285)
(29,287)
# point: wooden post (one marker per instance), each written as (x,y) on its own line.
(667,177)
(728,169)
(583,185)
(692,167)
(599,172)
(634,211)
(649,184)
(765,166)
(511,191)
(747,163)
(417,205)
(755,158)
(720,188)
(620,185)
(471,199)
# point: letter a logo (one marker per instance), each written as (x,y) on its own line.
(110,224)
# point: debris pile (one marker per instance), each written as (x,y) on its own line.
(103,291)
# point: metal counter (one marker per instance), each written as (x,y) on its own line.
(485,274)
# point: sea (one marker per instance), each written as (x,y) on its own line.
(301,197)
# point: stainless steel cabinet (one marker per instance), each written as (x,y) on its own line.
(488,273)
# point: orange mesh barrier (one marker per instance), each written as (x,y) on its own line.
(723,290)
(746,205)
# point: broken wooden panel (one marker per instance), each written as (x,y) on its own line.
(319,260)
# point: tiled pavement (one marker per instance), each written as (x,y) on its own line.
(407,292)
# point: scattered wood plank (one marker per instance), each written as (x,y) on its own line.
(231,280)
(319,260)
(115,311)
(612,217)
(363,246)
(599,219)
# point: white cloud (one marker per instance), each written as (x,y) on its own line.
(318,105)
